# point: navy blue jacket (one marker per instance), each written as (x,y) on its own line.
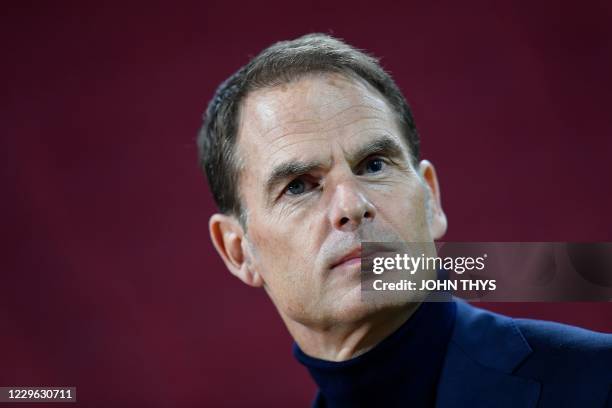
(491,360)
(497,361)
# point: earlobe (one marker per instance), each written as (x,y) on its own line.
(229,240)
(437,219)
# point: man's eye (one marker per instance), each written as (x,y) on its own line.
(374,165)
(298,186)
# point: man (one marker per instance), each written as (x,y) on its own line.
(310,149)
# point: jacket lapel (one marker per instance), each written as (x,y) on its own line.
(484,350)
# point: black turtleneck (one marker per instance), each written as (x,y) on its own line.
(402,370)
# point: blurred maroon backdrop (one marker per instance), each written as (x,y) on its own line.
(109,280)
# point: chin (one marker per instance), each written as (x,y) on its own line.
(353,307)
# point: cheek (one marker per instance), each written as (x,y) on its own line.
(282,254)
(403,206)
(269,245)
(286,266)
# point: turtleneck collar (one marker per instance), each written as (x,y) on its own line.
(401,370)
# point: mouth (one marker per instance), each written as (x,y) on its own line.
(351,258)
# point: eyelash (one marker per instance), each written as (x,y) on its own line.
(360,168)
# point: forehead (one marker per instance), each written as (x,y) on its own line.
(310,117)
(309,104)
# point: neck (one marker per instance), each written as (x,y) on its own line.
(346,340)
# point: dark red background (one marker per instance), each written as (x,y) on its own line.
(109,280)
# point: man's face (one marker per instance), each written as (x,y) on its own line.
(324,167)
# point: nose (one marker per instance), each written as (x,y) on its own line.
(350,207)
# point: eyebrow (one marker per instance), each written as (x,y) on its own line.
(294,168)
(380,145)
(289,170)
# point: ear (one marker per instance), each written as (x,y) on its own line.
(229,240)
(436,216)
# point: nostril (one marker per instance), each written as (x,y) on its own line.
(367,215)
(344,220)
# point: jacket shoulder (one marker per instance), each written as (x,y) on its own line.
(534,348)
(552,336)
(574,352)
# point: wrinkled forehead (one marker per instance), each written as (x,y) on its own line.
(308,117)
(314,99)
